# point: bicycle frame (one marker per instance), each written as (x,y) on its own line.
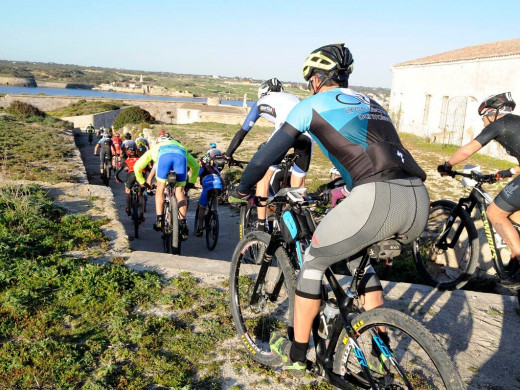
(480,198)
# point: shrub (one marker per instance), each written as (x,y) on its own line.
(133,115)
(21,109)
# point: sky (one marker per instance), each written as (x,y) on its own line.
(259,39)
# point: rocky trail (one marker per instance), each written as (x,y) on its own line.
(479,330)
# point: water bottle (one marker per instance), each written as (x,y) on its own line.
(330,311)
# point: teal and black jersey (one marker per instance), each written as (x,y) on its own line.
(352,130)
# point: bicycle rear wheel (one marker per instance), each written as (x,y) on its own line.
(167,228)
(261,295)
(135,213)
(416,360)
(448,263)
(175,237)
(212,229)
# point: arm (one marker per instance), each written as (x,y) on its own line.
(123,166)
(140,165)
(464,153)
(270,154)
(96,148)
(194,168)
(251,119)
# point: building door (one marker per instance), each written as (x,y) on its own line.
(455,119)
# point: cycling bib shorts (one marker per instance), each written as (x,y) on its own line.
(209,182)
(171,158)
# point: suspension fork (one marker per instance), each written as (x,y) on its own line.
(266,259)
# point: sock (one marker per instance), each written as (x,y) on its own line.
(299,351)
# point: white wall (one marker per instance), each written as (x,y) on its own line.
(474,79)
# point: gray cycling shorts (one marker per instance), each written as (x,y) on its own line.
(509,198)
(371,213)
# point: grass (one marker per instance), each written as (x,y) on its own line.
(82,107)
(37,148)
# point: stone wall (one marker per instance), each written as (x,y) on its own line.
(105,119)
(18,81)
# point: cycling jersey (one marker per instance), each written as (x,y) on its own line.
(353,131)
(105,142)
(274,107)
(173,149)
(506,131)
(210,179)
(117,141)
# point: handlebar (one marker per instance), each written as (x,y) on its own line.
(480,178)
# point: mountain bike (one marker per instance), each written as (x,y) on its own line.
(211,223)
(171,235)
(231,179)
(447,252)
(248,211)
(347,345)
(135,207)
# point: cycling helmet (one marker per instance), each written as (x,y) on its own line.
(205,159)
(163,138)
(141,135)
(334,171)
(131,151)
(162,132)
(271,85)
(334,60)
(213,145)
(128,136)
(502,103)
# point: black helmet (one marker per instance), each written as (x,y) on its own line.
(128,136)
(501,103)
(205,159)
(131,151)
(334,60)
(271,85)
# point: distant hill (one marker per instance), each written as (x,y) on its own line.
(75,76)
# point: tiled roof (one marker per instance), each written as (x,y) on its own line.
(486,50)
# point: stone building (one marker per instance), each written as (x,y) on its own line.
(438,96)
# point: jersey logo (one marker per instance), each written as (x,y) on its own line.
(361,99)
(399,154)
(266,109)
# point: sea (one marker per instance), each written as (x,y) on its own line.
(106,94)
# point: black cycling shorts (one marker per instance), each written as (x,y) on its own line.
(509,198)
(303,148)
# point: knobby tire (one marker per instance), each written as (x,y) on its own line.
(450,268)
(260,308)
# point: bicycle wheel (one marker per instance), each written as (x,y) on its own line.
(175,238)
(261,295)
(450,263)
(211,229)
(248,217)
(417,359)
(167,228)
(106,172)
(135,213)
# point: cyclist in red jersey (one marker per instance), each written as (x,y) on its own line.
(128,166)
(116,139)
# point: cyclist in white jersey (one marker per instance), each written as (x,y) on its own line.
(274,104)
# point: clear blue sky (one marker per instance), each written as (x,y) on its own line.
(258,39)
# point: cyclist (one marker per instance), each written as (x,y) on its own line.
(116,139)
(127,143)
(274,104)
(167,155)
(131,158)
(210,179)
(388,195)
(142,140)
(90,129)
(106,147)
(504,127)
(216,156)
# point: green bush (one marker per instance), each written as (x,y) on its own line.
(22,109)
(133,115)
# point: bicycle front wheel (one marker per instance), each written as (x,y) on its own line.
(167,228)
(212,230)
(135,213)
(248,217)
(413,358)
(447,259)
(261,295)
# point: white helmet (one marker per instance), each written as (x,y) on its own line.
(334,171)
(271,85)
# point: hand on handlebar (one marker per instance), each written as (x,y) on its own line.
(445,169)
(503,174)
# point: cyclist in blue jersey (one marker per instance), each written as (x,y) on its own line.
(504,127)
(387,194)
(274,104)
